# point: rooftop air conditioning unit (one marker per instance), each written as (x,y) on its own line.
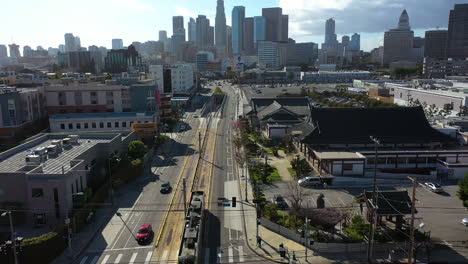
(74,139)
(52,149)
(57,143)
(40,151)
(66,142)
(33,160)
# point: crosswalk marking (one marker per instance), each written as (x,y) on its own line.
(117,260)
(106,258)
(218,255)
(148,257)
(241,254)
(95,259)
(207,255)
(134,255)
(83,260)
(230,255)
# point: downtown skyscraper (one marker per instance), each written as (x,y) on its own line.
(457,36)
(238,16)
(220,29)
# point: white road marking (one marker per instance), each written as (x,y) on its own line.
(241,254)
(117,260)
(106,258)
(218,255)
(231,255)
(132,259)
(118,249)
(342,201)
(207,255)
(148,257)
(83,260)
(95,259)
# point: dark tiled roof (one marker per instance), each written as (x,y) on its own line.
(297,105)
(391,125)
(391,202)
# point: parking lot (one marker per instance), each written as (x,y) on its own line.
(441,213)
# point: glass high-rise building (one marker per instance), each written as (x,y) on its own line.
(117,44)
(192,30)
(248,36)
(435,44)
(220,25)
(457,39)
(273,26)
(238,16)
(259,28)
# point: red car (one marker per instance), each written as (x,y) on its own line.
(144,233)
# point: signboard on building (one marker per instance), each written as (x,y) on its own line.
(144,129)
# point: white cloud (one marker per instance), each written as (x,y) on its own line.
(182,11)
(132,4)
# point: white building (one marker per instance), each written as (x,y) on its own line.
(117,44)
(334,76)
(98,121)
(182,78)
(268,55)
(156,73)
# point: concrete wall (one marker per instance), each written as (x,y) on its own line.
(124,124)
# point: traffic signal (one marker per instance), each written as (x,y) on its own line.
(234,201)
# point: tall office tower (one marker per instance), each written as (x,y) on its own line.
(238,15)
(229,41)
(27,51)
(220,25)
(249,47)
(268,54)
(211,36)
(435,45)
(330,35)
(77,43)
(93,48)
(162,35)
(284,28)
(178,25)
(3,51)
(355,43)
(14,51)
(70,42)
(259,29)
(273,21)
(457,39)
(117,44)
(398,43)
(203,27)
(192,30)
(345,41)
(62,48)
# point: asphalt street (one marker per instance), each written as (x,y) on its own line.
(226,241)
(141,202)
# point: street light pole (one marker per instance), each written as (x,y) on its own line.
(413,209)
(13,238)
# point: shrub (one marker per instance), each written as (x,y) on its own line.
(462,192)
(357,230)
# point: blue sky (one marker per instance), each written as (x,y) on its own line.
(33,22)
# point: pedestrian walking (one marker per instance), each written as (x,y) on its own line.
(259,242)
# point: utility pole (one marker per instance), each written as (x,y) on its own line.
(125,224)
(306,236)
(199,144)
(246,182)
(185,195)
(373,220)
(13,237)
(413,209)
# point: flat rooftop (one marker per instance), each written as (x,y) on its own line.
(101,115)
(339,155)
(15,162)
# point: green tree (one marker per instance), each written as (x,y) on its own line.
(137,149)
(463,190)
(300,166)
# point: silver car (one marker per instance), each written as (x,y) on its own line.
(434,187)
(465,221)
(310,181)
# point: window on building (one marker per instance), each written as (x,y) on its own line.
(402,161)
(72,189)
(124,124)
(70,126)
(76,184)
(93,125)
(78,98)
(391,160)
(93,94)
(62,126)
(109,94)
(348,166)
(78,126)
(94,102)
(109,124)
(86,125)
(116,124)
(432,160)
(37,192)
(62,98)
(81,182)
(101,125)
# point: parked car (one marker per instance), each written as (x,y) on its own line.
(144,234)
(165,187)
(310,181)
(258,91)
(195,116)
(434,187)
(465,221)
(280,202)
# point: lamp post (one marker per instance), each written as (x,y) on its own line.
(12,235)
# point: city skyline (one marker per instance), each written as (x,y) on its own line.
(100,27)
